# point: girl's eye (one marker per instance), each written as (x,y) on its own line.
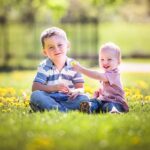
(109,59)
(59,45)
(102,59)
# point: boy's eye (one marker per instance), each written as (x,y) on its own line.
(51,47)
(59,45)
(102,59)
(109,59)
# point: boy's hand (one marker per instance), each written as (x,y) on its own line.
(74,93)
(61,88)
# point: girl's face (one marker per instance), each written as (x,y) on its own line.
(108,60)
(55,48)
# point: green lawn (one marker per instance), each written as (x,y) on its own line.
(21,130)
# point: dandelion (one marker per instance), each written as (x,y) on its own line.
(73,63)
(40,143)
(142,84)
(135,140)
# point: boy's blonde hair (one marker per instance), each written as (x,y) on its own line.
(49,32)
(111,46)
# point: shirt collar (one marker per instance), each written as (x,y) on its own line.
(116,70)
(50,64)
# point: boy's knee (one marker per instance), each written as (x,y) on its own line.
(83,98)
(35,95)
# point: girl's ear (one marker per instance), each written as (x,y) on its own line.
(119,61)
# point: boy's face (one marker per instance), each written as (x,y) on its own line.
(108,60)
(55,47)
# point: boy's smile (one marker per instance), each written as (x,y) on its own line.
(55,47)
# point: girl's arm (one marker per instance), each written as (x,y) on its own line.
(90,73)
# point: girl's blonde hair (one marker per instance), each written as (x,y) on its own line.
(113,47)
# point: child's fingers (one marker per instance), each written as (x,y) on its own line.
(73,63)
(73,95)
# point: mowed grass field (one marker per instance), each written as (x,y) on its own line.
(21,130)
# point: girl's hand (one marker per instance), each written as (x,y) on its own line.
(96,94)
(75,65)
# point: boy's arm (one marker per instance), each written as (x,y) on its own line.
(90,73)
(50,88)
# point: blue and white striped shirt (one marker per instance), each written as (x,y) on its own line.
(48,74)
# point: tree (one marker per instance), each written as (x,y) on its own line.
(81,11)
(27,11)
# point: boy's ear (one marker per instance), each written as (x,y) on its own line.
(44,52)
(68,45)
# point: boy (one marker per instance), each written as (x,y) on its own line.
(56,84)
(110,97)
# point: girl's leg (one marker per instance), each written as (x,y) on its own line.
(112,107)
(41,101)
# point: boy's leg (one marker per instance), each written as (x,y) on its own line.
(57,96)
(85,107)
(74,104)
(93,106)
(112,107)
(41,101)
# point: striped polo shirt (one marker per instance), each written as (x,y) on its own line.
(48,74)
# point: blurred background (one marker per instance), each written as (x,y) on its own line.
(88,24)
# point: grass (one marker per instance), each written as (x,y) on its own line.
(64,131)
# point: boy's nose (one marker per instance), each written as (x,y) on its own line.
(56,48)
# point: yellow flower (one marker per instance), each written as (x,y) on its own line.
(142,84)
(1,104)
(40,143)
(135,140)
(73,63)
(147,97)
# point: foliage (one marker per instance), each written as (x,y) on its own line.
(91,11)
(27,10)
(25,48)
(77,10)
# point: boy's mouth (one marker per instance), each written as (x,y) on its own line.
(58,54)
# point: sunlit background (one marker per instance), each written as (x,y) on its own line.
(88,24)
